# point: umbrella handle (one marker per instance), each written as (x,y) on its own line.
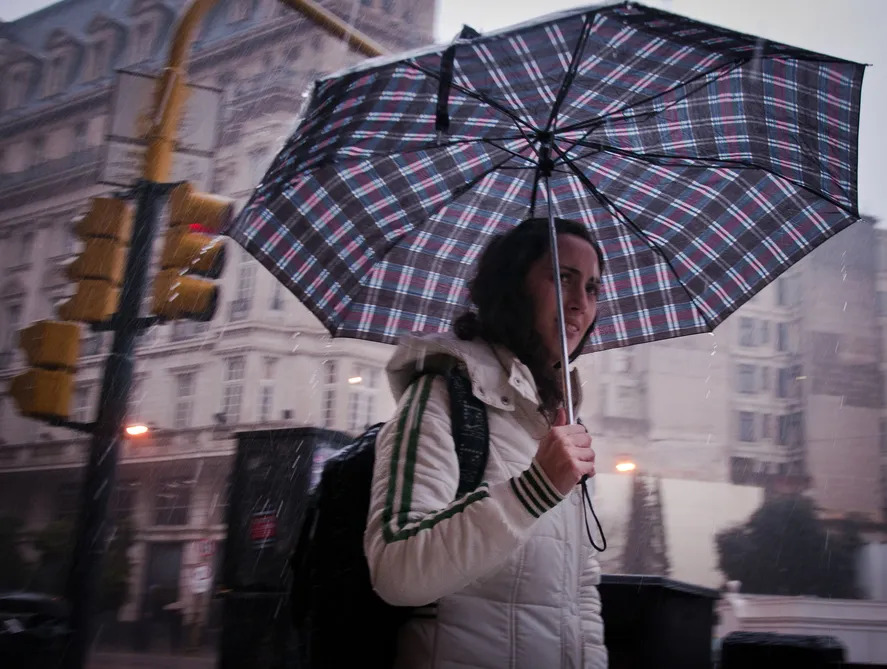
(556,268)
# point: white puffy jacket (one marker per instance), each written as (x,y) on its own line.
(508,569)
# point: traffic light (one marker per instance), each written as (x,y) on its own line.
(51,349)
(99,269)
(192,249)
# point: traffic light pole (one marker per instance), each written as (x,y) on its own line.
(107,431)
(92,529)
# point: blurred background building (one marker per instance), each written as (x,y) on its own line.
(263,361)
(786,396)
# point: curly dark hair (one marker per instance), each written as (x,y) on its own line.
(501,314)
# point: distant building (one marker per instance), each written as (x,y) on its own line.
(263,361)
(787,394)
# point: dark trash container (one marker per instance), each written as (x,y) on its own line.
(766,650)
(34,630)
(267,496)
(653,622)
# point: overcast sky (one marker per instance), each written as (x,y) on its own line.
(851,29)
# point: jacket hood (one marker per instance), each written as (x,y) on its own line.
(497,377)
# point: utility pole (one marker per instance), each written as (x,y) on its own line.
(151,193)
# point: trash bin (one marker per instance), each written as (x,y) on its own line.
(256,631)
(767,650)
(267,497)
(34,630)
(652,622)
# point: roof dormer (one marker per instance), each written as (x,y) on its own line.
(151,21)
(63,57)
(20,72)
(106,40)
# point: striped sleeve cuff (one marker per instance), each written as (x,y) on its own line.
(534,491)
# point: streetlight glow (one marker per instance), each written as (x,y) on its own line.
(136,430)
(626,467)
(354,380)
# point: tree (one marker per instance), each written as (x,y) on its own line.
(13,568)
(784,549)
(54,545)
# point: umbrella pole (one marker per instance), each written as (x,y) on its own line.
(556,269)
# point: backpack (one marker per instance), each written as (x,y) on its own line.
(340,621)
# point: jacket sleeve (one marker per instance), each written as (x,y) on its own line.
(594,650)
(421,543)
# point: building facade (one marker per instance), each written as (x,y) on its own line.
(786,394)
(263,361)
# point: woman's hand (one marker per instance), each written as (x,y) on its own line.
(565,454)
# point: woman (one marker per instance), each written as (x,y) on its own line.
(508,568)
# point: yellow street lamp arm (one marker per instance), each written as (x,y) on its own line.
(171,92)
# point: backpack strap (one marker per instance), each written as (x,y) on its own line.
(470,431)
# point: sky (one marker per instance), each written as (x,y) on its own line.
(850,29)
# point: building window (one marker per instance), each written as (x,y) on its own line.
(329,393)
(746,426)
(98,60)
(246,284)
(184,400)
(790,427)
(25,249)
(763,332)
(81,137)
(91,343)
(277,296)
(266,391)
(142,43)
(788,384)
(81,405)
(388,5)
(17,90)
(172,502)
(746,332)
(233,389)
(123,502)
(38,151)
(766,426)
(362,397)
(55,80)
(883,437)
(67,501)
(13,323)
(765,378)
(745,378)
(185,330)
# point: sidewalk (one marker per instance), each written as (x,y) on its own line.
(124,660)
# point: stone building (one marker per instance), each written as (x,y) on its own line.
(263,361)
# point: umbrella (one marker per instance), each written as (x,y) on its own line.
(705,162)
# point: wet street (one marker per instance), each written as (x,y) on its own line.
(108,660)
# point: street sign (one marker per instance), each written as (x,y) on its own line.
(201,579)
(206,548)
(197,136)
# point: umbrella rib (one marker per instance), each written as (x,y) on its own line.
(595,123)
(609,204)
(472,94)
(659,158)
(570,74)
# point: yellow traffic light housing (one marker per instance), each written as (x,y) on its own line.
(192,249)
(99,269)
(51,349)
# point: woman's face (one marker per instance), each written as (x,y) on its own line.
(580,277)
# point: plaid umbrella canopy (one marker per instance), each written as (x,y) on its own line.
(704,161)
